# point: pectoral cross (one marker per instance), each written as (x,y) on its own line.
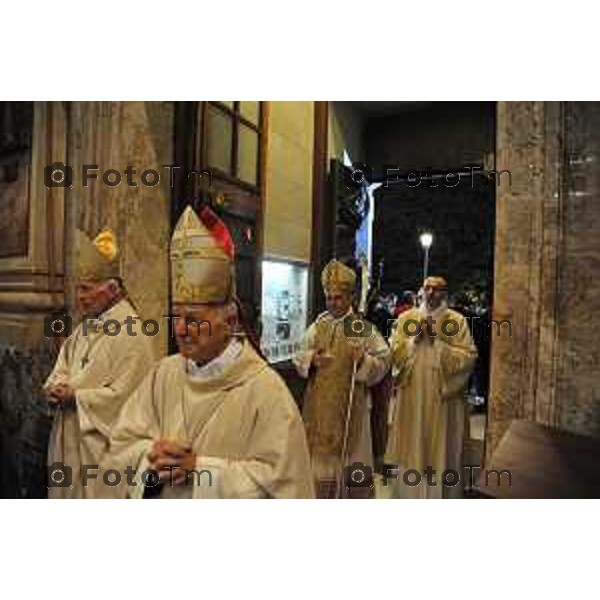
(86,357)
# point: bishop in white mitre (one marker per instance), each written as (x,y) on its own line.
(214,420)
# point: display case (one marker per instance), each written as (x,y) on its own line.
(284,308)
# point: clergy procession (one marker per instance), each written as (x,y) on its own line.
(215,420)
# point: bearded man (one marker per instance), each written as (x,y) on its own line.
(433,355)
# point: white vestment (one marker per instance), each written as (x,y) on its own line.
(237,415)
(103,370)
(428,411)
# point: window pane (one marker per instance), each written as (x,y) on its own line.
(227,103)
(219,133)
(250,110)
(247,155)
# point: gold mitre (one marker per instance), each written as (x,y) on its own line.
(202,259)
(337,276)
(96,259)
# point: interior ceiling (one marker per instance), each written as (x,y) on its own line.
(376,108)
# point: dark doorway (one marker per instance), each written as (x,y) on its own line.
(461,221)
(435,168)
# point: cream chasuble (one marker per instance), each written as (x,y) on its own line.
(241,421)
(428,411)
(103,370)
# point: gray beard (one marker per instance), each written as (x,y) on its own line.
(427,312)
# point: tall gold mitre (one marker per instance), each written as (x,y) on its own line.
(98,258)
(337,276)
(202,261)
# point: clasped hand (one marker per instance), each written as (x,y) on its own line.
(61,394)
(172,460)
(425,332)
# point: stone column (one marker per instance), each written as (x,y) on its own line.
(114,135)
(111,135)
(547,268)
(523,371)
(578,281)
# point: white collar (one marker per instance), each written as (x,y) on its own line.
(217,366)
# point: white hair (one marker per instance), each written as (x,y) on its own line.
(118,282)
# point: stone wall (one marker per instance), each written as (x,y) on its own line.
(115,135)
(547,262)
(288,187)
(31,286)
(578,304)
(111,135)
